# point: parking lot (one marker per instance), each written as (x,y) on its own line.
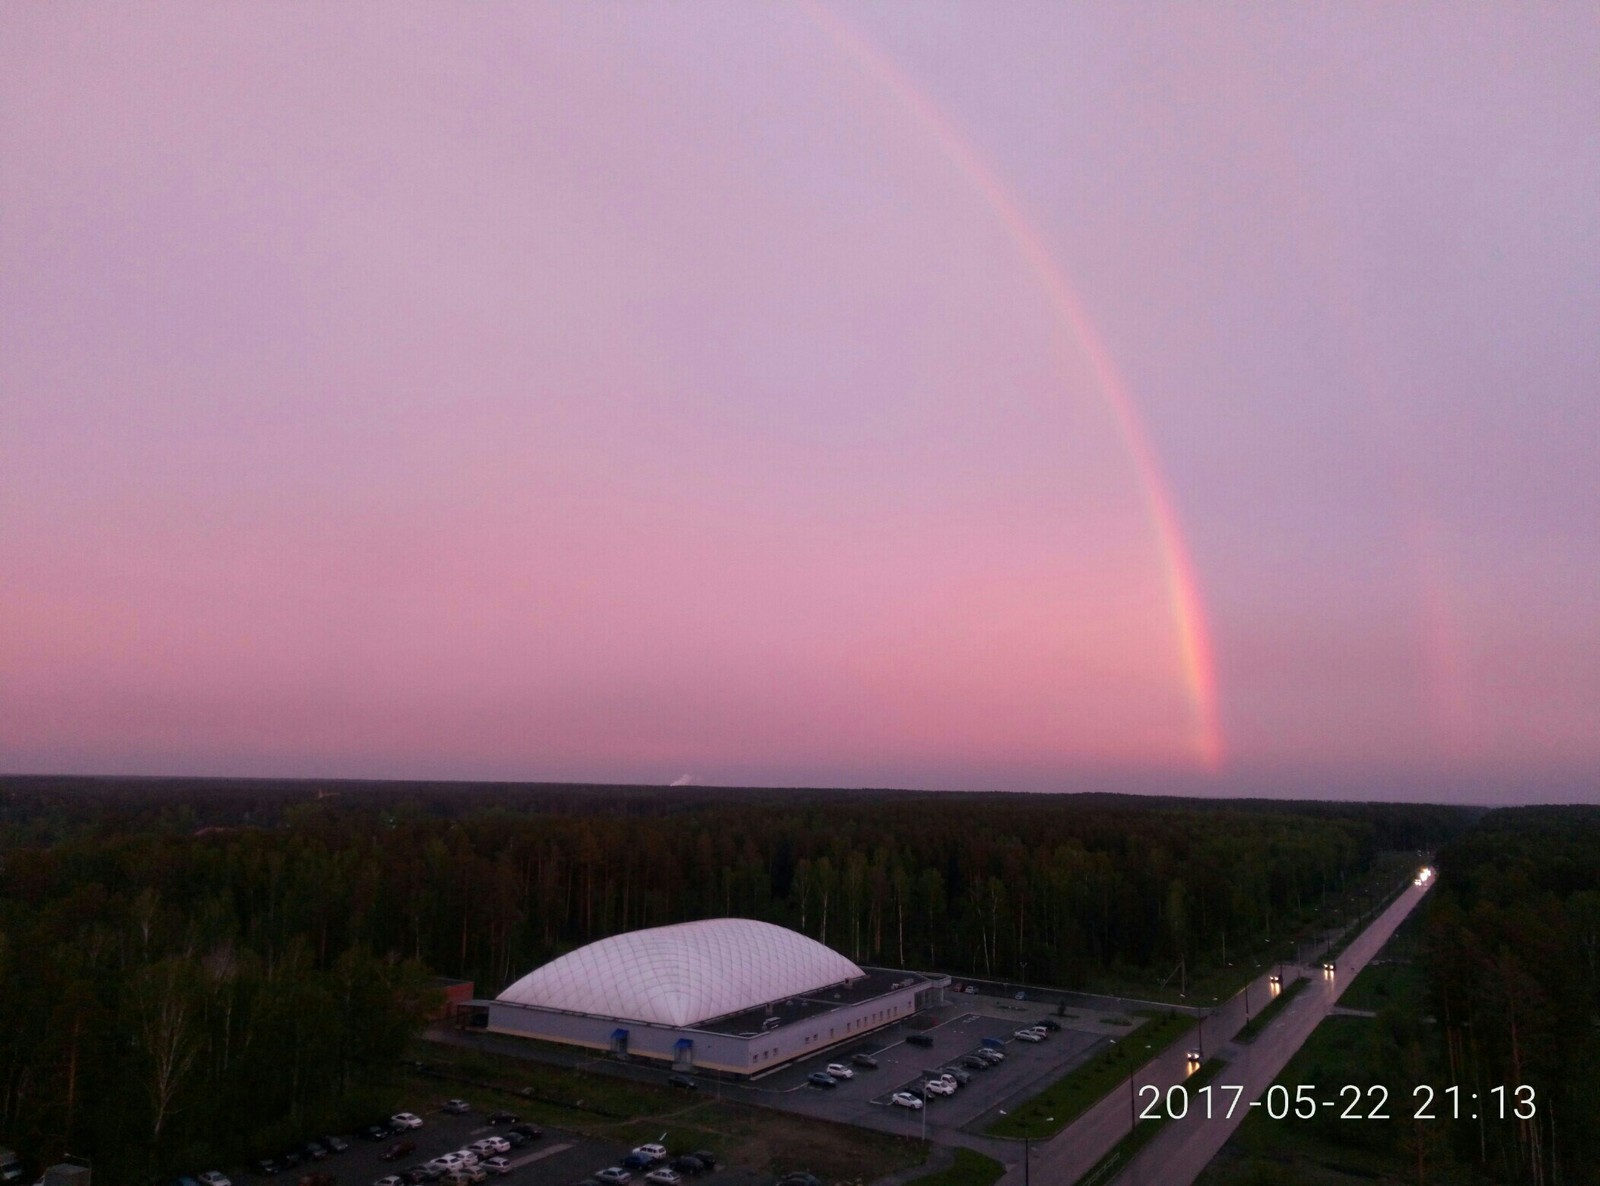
(556,1157)
(1028,1067)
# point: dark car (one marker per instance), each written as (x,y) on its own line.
(516,1139)
(973,1063)
(269,1166)
(637,1161)
(532,1131)
(501,1118)
(799,1178)
(688,1164)
(682,1081)
(291,1159)
(334,1144)
(706,1156)
(315,1150)
(398,1150)
(418,1174)
(1051,1024)
(865,1060)
(375,1132)
(821,1079)
(919,1039)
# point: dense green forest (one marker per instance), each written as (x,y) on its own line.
(193,971)
(1514,931)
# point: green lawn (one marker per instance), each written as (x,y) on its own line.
(1068,1097)
(970,1169)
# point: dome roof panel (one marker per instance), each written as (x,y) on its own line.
(684,974)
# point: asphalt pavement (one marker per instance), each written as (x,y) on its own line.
(1184,1147)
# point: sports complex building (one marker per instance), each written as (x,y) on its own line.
(729,995)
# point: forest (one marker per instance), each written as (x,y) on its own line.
(1514,957)
(192,970)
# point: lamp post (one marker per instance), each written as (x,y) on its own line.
(1027,1148)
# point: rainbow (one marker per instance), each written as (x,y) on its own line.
(1182,587)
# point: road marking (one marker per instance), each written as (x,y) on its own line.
(547,1151)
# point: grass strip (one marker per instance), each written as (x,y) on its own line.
(1075,1092)
(1256,1024)
(1125,1150)
(970,1169)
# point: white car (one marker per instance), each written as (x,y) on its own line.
(405,1120)
(939,1087)
(904,1099)
(491,1145)
(497,1165)
(951,1080)
(214,1178)
(991,1055)
(469,1157)
(449,1161)
(839,1071)
(389,1180)
(1027,1036)
(663,1177)
(653,1152)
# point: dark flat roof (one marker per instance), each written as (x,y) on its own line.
(876,983)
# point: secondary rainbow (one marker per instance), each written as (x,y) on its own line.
(1183,592)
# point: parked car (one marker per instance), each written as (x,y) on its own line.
(376,1132)
(821,1079)
(682,1081)
(865,1060)
(418,1174)
(663,1177)
(501,1118)
(904,1099)
(799,1178)
(214,1178)
(636,1161)
(973,1063)
(653,1151)
(516,1139)
(839,1071)
(488,1145)
(688,1164)
(532,1131)
(399,1149)
(1027,1036)
(706,1156)
(456,1107)
(613,1175)
(405,1120)
(919,1040)
(990,1055)
(497,1165)
(939,1087)
(389,1180)
(268,1166)
(1051,1024)
(314,1151)
(956,1073)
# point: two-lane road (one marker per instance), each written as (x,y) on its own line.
(1183,1148)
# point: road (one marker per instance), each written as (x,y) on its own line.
(1184,1147)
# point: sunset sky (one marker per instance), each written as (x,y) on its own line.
(1189,398)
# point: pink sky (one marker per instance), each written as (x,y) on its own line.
(612,392)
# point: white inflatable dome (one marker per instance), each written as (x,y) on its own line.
(685,974)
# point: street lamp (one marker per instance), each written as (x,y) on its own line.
(1027,1148)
